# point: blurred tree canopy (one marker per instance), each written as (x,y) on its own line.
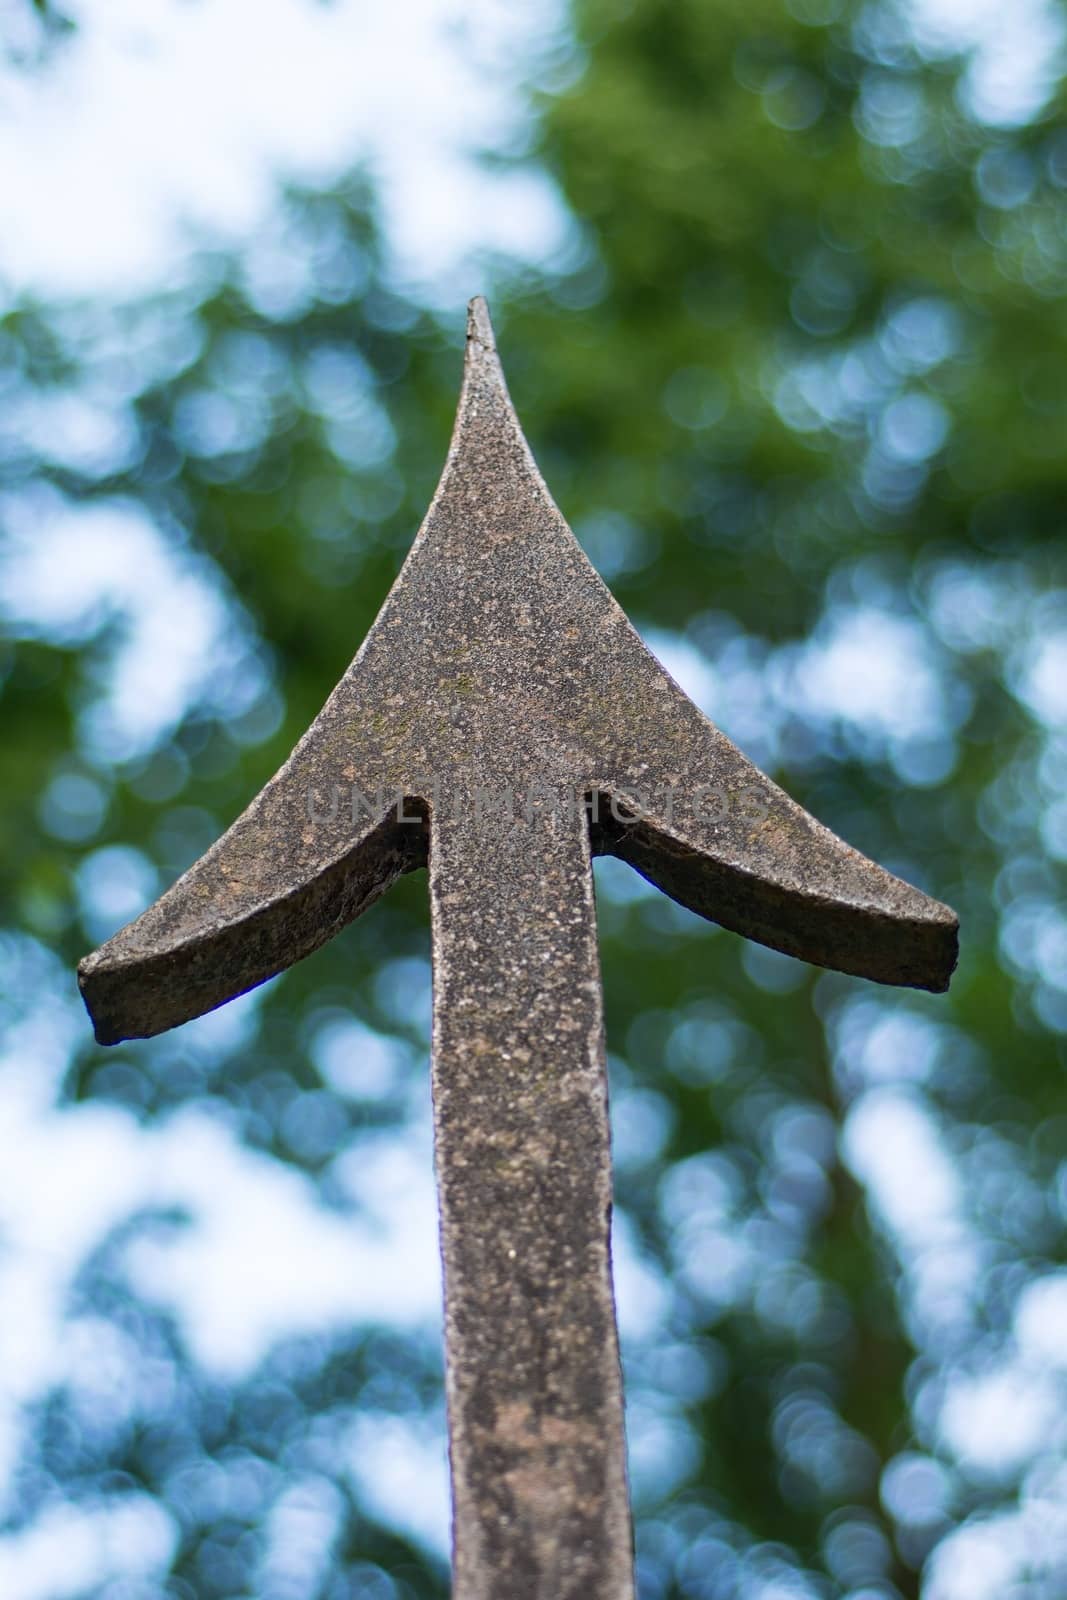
(800,389)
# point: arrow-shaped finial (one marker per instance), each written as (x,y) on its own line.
(540,635)
(503,721)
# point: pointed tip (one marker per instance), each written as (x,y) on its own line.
(482,368)
(482,358)
(479,324)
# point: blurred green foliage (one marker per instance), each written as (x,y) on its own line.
(800,389)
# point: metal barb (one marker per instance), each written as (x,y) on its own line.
(502,722)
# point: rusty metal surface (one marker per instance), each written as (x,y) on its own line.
(501,697)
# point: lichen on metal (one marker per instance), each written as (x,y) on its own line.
(502,723)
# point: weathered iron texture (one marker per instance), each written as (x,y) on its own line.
(503,722)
